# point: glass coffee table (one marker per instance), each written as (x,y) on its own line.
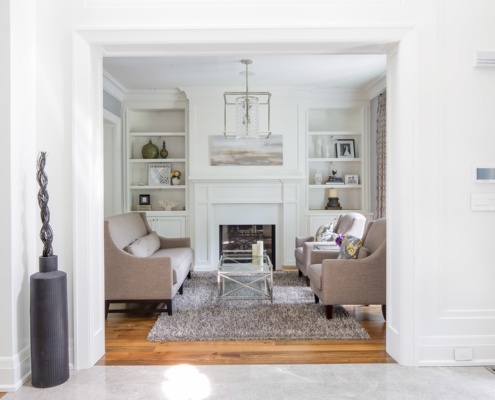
(242,276)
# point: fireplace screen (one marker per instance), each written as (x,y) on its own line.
(242,237)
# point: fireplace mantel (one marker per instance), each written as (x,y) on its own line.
(244,202)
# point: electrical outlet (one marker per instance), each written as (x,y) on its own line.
(463,354)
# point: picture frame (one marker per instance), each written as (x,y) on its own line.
(351,180)
(144,199)
(344,148)
(159,174)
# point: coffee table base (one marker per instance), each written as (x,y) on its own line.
(254,286)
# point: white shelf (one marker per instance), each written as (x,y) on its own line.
(335,133)
(324,127)
(159,125)
(157,160)
(156,134)
(335,159)
(325,186)
(163,187)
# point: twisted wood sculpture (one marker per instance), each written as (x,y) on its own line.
(46,233)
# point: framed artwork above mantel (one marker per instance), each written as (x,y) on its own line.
(230,151)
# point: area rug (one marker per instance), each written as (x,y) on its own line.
(198,315)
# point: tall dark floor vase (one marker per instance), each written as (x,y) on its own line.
(49,325)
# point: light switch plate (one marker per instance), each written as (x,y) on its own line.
(483,201)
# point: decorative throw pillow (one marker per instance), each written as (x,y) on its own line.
(350,248)
(145,246)
(324,233)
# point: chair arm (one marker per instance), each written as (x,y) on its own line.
(173,243)
(131,277)
(317,256)
(360,281)
(300,240)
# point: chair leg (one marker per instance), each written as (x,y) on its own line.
(329,311)
(189,275)
(299,272)
(384,311)
(168,303)
(308,282)
(107,307)
(317,299)
(181,289)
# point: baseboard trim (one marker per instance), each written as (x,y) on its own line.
(440,350)
(15,370)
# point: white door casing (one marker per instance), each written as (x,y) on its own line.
(90,47)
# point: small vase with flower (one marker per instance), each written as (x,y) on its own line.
(175,175)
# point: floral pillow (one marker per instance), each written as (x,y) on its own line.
(349,248)
(325,233)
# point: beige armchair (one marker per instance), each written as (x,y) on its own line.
(350,223)
(142,267)
(354,281)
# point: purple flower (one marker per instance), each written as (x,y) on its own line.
(339,239)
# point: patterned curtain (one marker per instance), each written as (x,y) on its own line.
(381,157)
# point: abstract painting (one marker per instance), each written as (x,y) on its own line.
(229,151)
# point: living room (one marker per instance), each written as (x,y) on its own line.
(343,93)
(210,196)
(439,103)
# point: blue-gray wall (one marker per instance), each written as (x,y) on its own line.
(111,104)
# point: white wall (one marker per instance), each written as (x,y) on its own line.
(18,200)
(452,285)
(206,117)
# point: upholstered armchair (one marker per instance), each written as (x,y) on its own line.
(350,223)
(353,281)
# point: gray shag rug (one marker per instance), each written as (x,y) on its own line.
(199,316)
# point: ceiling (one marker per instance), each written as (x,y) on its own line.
(345,72)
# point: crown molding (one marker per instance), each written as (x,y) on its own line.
(376,87)
(113,86)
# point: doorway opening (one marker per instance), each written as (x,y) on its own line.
(88,243)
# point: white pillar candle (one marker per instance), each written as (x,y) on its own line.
(254,250)
(259,261)
(332,192)
(260,247)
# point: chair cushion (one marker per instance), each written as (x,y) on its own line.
(180,259)
(350,247)
(144,246)
(314,275)
(325,233)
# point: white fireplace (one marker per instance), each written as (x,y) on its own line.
(273,202)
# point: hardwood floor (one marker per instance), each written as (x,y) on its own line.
(126,344)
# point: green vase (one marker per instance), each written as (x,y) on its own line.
(150,150)
(164,151)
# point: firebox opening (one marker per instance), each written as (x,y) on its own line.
(242,237)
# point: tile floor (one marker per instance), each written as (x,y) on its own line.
(267,382)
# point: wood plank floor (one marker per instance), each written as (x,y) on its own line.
(126,344)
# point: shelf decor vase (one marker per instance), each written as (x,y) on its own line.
(175,181)
(48,304)
(150,150)
(164,151)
